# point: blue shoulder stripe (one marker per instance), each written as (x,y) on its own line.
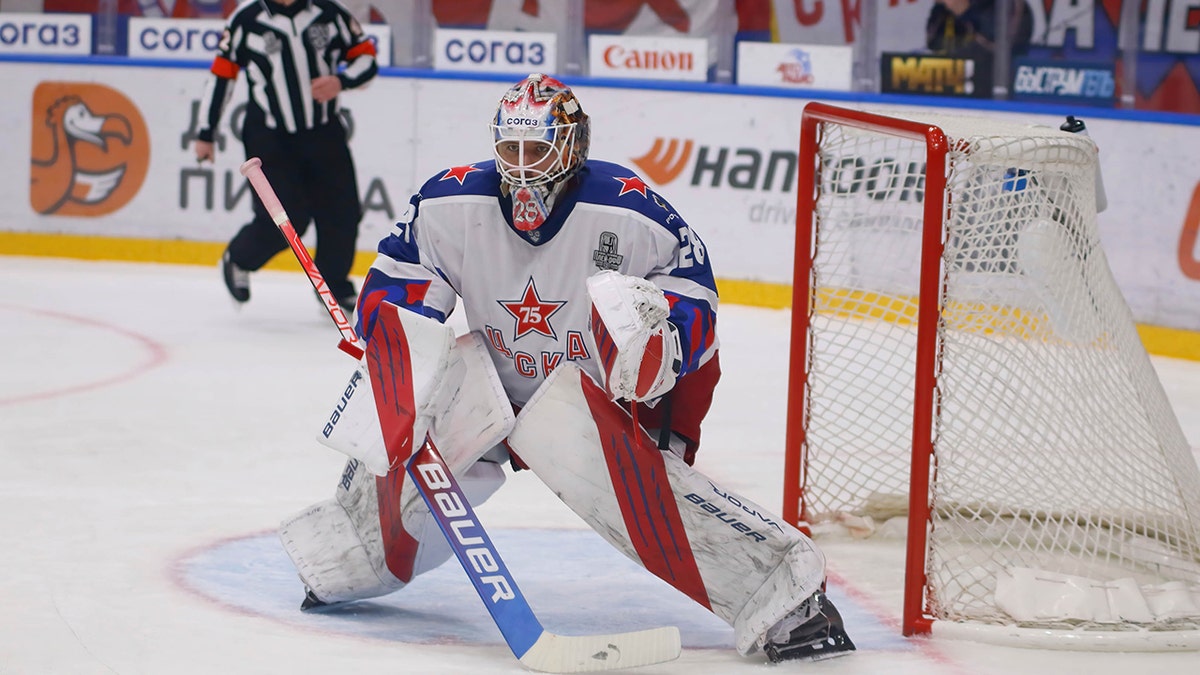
(611,184)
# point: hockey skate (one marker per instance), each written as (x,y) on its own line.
(312,602)
(813,631)
(237,280)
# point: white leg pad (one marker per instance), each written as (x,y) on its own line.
(338,545)
(352,426)
(459,398)
(330,556)
(477,414)
(789,584)
(753,568)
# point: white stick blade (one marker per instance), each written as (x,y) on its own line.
(578,654)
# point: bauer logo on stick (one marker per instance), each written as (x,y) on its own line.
(467,531)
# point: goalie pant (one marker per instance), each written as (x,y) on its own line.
(725,552)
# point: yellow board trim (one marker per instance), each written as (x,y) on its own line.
(1159,340)
(171,251)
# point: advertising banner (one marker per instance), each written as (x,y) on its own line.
(494,51)
(648,58)
(45,34)
(1064,82)
(934,75)
(1166,41)
(1086,31)
(174,39)
(106,150)
(197,39)
(796,66)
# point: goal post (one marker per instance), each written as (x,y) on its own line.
(962,357)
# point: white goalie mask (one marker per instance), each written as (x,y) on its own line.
(540,133)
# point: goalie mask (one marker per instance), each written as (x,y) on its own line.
(540,139)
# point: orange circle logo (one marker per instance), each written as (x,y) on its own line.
(90,149)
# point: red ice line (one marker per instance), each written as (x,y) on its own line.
(157,356)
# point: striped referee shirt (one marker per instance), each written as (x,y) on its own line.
(283,48)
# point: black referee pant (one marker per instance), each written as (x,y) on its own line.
(312,172)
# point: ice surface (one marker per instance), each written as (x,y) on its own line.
(153,436)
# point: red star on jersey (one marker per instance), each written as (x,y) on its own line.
(532,314)
(632,184)
(459,173)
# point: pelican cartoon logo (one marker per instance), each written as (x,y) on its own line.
(91,150)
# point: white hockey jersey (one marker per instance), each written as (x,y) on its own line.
(525,291)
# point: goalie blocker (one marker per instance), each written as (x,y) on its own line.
(759,574)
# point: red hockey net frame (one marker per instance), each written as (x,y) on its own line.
(914,621)
(989,387)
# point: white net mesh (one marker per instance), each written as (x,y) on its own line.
(1055,446)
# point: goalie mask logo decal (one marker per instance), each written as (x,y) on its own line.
(532,314)
(605,256)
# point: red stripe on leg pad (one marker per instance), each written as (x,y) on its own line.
(388,360)
(644,494)
(399,547)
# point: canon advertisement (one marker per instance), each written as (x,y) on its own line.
(648,58)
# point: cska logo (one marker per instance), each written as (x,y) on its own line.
(90,150)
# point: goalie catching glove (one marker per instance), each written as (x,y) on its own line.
(638,349)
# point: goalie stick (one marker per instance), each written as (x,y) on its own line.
(252,170)
(534,646)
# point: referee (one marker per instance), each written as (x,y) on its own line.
(298,55)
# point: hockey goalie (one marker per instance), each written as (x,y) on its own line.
(591,360)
